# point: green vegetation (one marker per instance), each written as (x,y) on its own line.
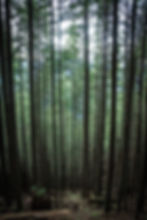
(73,108)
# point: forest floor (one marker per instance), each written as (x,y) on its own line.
(72,207)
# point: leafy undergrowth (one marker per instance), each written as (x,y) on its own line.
(71,206)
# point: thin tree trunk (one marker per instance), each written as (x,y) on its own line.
(32,89)
(53,96)
(23,131)
(61,109)
(138,150)
(124,184)
(3,178)
(74,153)
(102,107)
(143,183)
(86,100)
(2,95)
(113,111)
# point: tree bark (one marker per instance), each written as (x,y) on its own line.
(113,110)
(32,89)
(143,183)
(8,88)
(99,144)
(86,100)
(138,150)
(124,182)
(61,106)
(53,96)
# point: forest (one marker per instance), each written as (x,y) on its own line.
(73,109)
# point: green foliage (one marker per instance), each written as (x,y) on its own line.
(38,191)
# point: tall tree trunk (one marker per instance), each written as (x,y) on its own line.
(143,183)
(38,100)
(138,150)
(2,95)
(73,156)
(8,87)
(124,184)
(41,91)
(101,128)
(25,175)
(3,170)
(53,95)
(2,157)
(113,110)
(61,109)
(32,89)
(86,100)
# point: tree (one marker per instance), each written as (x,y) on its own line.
(53,96)
(25,176)
(124,183)
(3,167)
(138,150)
(101,108)
(86,100)
(61,106)
(113,110)
(143,183)
(2,149)
(7,77)
(32,89)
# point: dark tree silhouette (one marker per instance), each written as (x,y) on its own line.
(32,89)
(124,182)
(143,184)
(86,100)
(102,106)
(53,94)
(8,86)
(138,150)
(113,110)
(61,109)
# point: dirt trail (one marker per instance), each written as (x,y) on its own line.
(72,207)
(39,215)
